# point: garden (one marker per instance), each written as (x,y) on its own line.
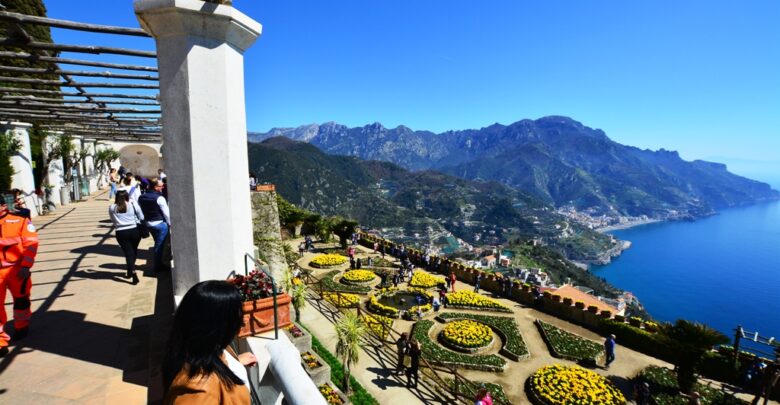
(358,277)
(567,345)
(422,279)
(330,284)
(324,261)
(342,300)
(394,302)
(514,346)
(471,300)
(562,385)
(665,390)
(435,353)
(466,335)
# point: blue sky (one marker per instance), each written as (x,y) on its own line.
(700,77)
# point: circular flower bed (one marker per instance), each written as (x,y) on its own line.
(359,277)
(393,302)
(425,280)
(466,335)
(561,385)
(328,260)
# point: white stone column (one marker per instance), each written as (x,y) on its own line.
(201,67)
(55,173)
(21,162)
(89,164)
(75,185)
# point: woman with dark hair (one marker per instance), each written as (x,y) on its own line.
(200,367)
(126,215)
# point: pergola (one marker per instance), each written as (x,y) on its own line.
(120,103)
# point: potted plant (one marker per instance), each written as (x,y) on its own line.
(257,291)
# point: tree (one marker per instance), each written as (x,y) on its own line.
(691,340)
(324,228)
(9,145)
(103,159)
(344,228)
(298,297)
(350,329)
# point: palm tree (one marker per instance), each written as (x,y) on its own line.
(691,340)
(350,329)
(298,297)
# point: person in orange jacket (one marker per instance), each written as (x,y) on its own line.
(18,247)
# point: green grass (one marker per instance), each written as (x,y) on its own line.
(665,391)
(568,345)
(359,394)
(435,353)
(514,343)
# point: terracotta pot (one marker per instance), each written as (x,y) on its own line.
(259,315)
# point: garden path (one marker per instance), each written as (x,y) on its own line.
(628,362)
(94,338)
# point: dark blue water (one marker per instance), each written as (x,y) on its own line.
(722,270)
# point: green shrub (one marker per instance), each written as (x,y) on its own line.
(654,344)
(620,318)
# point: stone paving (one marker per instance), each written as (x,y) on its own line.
(95,338)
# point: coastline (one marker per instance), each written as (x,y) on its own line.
(627,225)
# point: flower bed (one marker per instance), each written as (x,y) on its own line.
(561,385)
(470,391)
(665,391)
(567,345)
(436,354)
(411,314)
(514,345)
(342,300)
(329,284)
(327,260)
(378,325)
(471,300)
(375,306)
(331,396)
(423,279)
(466,335)
(358,277)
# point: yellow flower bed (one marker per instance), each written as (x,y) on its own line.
(467,333)
(377,324)
(342,300)
(470,299)
(378,307)
(328,260)
(561,385)
(425,280)
(358,276)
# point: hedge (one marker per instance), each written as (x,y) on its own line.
(515,345)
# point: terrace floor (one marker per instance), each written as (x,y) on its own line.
(95,338)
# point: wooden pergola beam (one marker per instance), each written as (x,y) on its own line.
(62,107)
(51,22)
(70,93)
(70,61)
(76,48)
(68,101)
(43,82)
(110,75)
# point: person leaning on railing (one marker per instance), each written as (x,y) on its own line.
(200,367)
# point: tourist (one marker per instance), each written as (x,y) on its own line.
(142,183)
(766,383)
(19,244)
(129,185)
(252,181)
(126,215)
(477,281)
(436,304)
(642,393)
(508,284)
(443,297)
(301,248)
(483,397)
(351,252)
(396,280)
(121,172)
(200,366)
(113,179)
(402,346)
(382,250)
(419,312)
(448,282)
(358,263)
(158,219)
(352,263)
(161,174)
(309,243)
(452,280)
(369,261)
(413,370)
(376,246)
(20,207)
(609,350)
(354,238)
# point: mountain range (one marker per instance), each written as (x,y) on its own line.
(555,159)
(424,202)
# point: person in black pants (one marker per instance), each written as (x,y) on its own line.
(126,215)
(413,370)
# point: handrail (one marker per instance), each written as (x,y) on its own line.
(273,288)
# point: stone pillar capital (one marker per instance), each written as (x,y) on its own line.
(210,21)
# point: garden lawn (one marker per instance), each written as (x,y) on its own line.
(567,345)
(514,345)
(435,353)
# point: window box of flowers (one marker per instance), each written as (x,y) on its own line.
(315,367)
(332,395)
(300,338)
(257,291)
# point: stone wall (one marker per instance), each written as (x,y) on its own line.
(267,235)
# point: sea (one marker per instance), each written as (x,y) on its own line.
(722,270)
